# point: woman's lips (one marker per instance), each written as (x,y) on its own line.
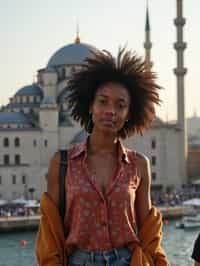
(108,122)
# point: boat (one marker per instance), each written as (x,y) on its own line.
(189,222)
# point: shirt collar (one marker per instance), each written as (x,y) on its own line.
(82,148)
(79,149)
(122,152)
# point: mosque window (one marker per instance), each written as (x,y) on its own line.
(154,176)
(63,73)
(14,180)
(34,143)
(153,144)
(153,160)
(6,142)
(0,180)
(73,69)
(17,159)
(31,111)
(46,176)
(45,143)
(24,180)
(35,99)
(27,99)
(17,142)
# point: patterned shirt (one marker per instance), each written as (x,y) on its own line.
(95,221)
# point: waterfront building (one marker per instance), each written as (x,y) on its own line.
(35,123)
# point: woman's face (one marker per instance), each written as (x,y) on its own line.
(110,108)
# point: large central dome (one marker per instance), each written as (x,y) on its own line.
(72,54)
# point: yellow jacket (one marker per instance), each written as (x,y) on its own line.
(50,239)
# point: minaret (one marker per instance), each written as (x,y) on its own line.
(180,72)
(148,43)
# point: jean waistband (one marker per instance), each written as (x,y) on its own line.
(80,254)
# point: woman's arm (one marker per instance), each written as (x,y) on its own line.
(143,197)
(50,236)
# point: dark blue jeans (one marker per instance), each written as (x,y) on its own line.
(113,257)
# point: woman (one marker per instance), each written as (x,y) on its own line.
(108,186)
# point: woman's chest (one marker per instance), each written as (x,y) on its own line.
(103,180)
(102,170)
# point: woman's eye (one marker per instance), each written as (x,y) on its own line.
(102,101)
(121,106)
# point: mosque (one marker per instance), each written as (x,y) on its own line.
(35,123)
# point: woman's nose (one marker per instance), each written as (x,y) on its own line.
(110,110)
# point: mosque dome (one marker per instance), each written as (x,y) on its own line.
(71,54)
(13,117)
(28,90)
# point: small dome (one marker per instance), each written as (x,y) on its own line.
(29,90)
(72,54)
(13,118)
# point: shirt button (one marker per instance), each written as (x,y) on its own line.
(104,223)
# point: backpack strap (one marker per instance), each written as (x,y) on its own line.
(63,170)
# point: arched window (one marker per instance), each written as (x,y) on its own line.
(34,143)
(6,142)
(73,69)
(46,176)
(154,176)
(17,159)
(24,180)
(14,180)
(63,73)
(6,159)
(45,142)
(31,111)
(153,160)
(17,142)
(153,143)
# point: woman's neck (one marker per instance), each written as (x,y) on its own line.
(102,143)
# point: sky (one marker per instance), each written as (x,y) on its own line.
(32,31)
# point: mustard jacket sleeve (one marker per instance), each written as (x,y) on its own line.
(50,237)
(149,251)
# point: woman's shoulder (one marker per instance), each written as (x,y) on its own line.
(140,161)
(141,158)
(137,157)
(76,149)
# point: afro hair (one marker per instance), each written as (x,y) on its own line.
(127,69)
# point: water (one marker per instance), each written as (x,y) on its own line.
(177,244)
